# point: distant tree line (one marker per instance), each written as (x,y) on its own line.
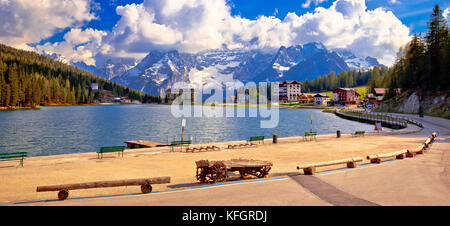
(345,79)
(424,63)
(28,79)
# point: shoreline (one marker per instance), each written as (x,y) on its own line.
(20,182)
(224,144)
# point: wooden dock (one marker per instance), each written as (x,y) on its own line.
(143,144)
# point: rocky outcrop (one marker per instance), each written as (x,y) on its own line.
(433,103)
(411,105)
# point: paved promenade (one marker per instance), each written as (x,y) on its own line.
(423,180)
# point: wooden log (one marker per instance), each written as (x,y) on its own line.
(334,162)
(63,194)
(420,149)
(104,184)
(309,170)
(427,142)
(400,156)
(351,164)
(377,158)
(410,154)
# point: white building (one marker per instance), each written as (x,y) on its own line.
(289,91)
(321,99)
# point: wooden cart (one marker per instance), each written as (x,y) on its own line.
(217,171)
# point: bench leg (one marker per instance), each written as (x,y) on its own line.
(309,170)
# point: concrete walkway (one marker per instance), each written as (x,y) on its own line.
(423,180)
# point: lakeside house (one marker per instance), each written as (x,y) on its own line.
(306,98)
(288,91)
(345,96)
(122,100)
(321,99)
(377,96)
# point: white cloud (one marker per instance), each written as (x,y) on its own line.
(308,3)
(446,14)
(79,45)
(394,1)
(30,21)
(196,25)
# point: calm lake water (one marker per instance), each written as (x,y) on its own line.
(73,129)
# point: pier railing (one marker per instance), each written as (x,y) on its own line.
(389,121)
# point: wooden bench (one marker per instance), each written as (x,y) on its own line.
(256,138)
(358,133)
(118,149)
(310,169)
(64,188)
(377,158)
(311,135)
(13,156)
(180,143)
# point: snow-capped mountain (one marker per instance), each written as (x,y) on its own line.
(158,71)
(302,62)
(354,61)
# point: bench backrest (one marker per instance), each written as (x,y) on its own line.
(13,155)
(112,148)
(256,138)
(311,133)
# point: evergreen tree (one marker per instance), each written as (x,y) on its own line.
(6,95)
(14,85)
(436,39)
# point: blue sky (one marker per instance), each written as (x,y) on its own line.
(413,13)
(94,30)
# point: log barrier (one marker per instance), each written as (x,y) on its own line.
(310,169)
(64,188)
(377,158)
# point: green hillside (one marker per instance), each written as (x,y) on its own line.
(29,79)
(362,90)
